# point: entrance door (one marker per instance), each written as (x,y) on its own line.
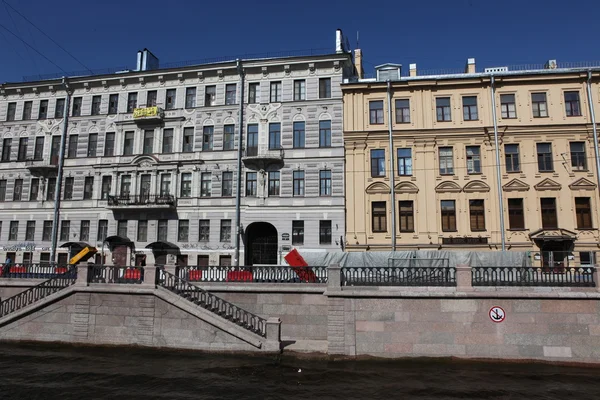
(119,255)
(261,244)
(555,255)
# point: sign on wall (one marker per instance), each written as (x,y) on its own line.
(497,314)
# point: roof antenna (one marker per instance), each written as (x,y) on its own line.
(357,46)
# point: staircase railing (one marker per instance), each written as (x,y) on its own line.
(212,303)
(37,292)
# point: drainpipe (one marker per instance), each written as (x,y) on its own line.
(593,118)
(498,174)
(391,138)
(238,194)
(61,161)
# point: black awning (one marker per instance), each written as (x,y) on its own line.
(75,246)
(114,241)
(163,246)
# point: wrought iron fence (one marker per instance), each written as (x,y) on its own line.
(212,303)
(533,276)
(37,292)
(112,274)
(141,199)
(259,273)
(398,276)
(35,271)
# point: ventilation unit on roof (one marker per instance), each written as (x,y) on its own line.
(497,69)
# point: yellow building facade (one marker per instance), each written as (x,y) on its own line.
(444,174)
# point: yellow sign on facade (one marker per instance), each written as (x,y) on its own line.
(145,112)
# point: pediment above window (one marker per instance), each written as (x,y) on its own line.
(448,187)
(476,186)
(378,188)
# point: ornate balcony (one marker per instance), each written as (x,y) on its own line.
(148,115)
(42,167)
(133,201)
(262,157)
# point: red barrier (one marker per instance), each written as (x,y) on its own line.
(17,270)
(134,274)
(239,276)
(195,275)
(300,267)
(60,270)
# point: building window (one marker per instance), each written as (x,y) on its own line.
(578,160)
(170,99)
(34,189)
(539,105)
(404,157)
(448,215)
(507,106)
(65,230)
(106,187)
(122,228)
(151,98)
(402,111)
(325,183)
(30,231)
(299,90)
(47,231)
(442,107)
(275,92)
(378,214)
(377,163)
(109,144)
(88,187)
(18,190)
(210,96)
(183,231)
(92,144)
(125,185)
(274,136)
(572,104)
(148,141)
(407,218)
(38,150)
(142,231)
(11,112)
(59,110)
(96,100)
(298,183)
(324,88)
(188,140)
(227,184)
(470,108)
(477,215)
(68,193)
(587,258)
(113,104)
(128,143)
(145,186)
(131,102)
(273,183)
(84,231)
(473,160)
(548,207)
(207,138)
(252,140)
(324,232)
(22,153)
(190,97)
(13,232)
(376,112)
(73,139)
(511,157)
(205,184)
(250,184)
(325,133)
(228,137)
(165,184)
(51,191)
(6,145)
(299,135)
(102,230)
(446,161)
(230,90)
(77,101)
(253,92)
(186,184)
(162,232)
(297,233)
(544,157)
(2,189)
(43,112)
(583,212)
(225,230)
(204,230)
(27,107)
(167,142)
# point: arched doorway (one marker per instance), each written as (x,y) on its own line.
(261,244)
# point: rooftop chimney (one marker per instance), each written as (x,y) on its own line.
(412,69)
(358,64)
(551,64)
(470,68)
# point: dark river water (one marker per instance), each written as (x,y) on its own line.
(62,372)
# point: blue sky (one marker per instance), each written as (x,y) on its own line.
(432,33)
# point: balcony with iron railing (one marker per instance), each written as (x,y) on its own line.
(148,115)
(262,157)
(131,201)
(40,166)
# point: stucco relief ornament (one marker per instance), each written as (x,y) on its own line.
(145,164)
(265,111)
